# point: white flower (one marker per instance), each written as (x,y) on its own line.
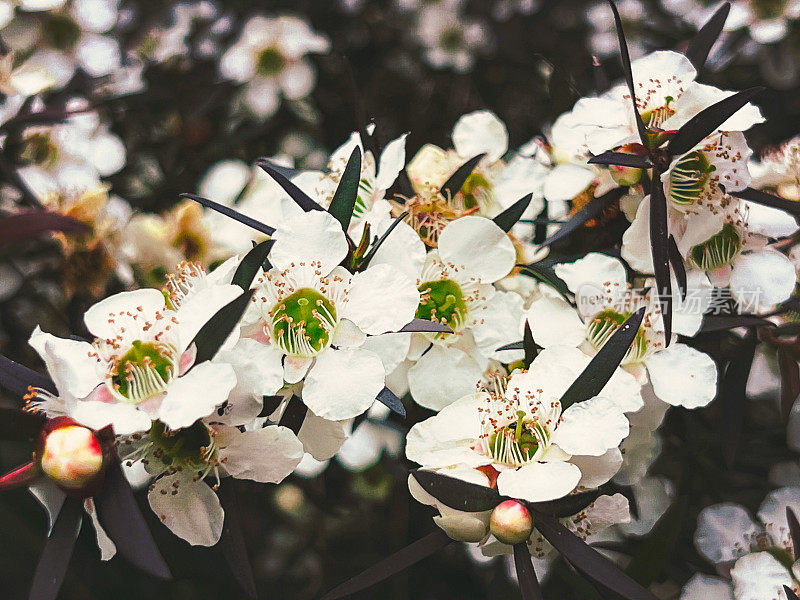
(450,39)
(270,58)
(319,315)
(604,302)
(779,170)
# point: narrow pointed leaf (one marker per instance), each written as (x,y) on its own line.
(120,516)
(790,595)
(622,159)
(15,378)
(704,40)
(548,276)
(626,68)
(388,398)
(602,366)
(214,333)
(588,561)
(251,263)
(708,120)
(456,181)
(232,214)
(302,199)
(57,552)
(20,476)
(600,76)
(270,405)
(17,425)
(528,345)
(725,322)
(424,326)
(344,199)
(294,414)
(794,529)
(510,216)
(397,562)
(790,380)
(759,197)
(456,493)
(379,242)
(654,552)
(36,223)
(733,393)
(567,506)
(592,209)
(659,244)
(287,172)
(512,346)
(526,576)
(678,266)
(231,542)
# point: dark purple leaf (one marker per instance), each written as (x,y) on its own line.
(20,476)
(528,345)
(379,242)
(725,322)
(759,197)
(251,263)
(526,576)
(626,68)
(653,554)
(294,414)
(622,159)
(790,380)
(704,40)
(231,542)
(346,194)
(794,529)
(678,266)
(603,365)
(424,326)
(36,223)
(230,213)
(567,506)
(57,552)
(456,493)
(16,378)
(547,275)
(388,398)
(587,560)
(269,405)
(592,209)
(455,182)
(397,562)
(512,346)
(707,121)
(287,172)
(790,595)
(733,394)
(510,216)
(17,425)
(217,329)
(120,516)
(659,244)
(302,199)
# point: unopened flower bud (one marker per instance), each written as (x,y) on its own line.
(627,176)
(71,456)
(511,522)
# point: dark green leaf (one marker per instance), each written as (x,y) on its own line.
(387,398)
(654,552)
(294,414)
(733,394)
(456,181)
(344,199)
(603,365)
(302,199)
(424,326)
(509,217)
(528,345)
(547,275)
(231,542)
(622,159)
(703,41)
(16,378)
(287,172)
(456,493)
(57,552)
(567,506)
(794,529)
(269,405)
(790,595)
(526,576)
(678,266)
(707,121)
(379,242)
(251,263)
(725,322)
(659,244)
(214,333)
(230,213)
(592,209)
(512,346)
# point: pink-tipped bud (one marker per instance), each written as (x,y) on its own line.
(627,176)
(71,456)
(511,522)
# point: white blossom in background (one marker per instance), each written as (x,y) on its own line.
(757,554)
(270,58)
(778,171)
(603,40)
(449,38)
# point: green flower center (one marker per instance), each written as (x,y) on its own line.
(768,9)
(61,32)
(442,301)
(655,117)
(39,149)
(688,178)
(191,446)
(303,323)
(450,39)
(476,191)
(517,443)
(718,250)
(270,62)
(603,325)
(143,371)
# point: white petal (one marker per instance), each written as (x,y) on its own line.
(224,181)
(768,221)
(50,496)
(105,543)
(262,97)
(566,181)
(68,362)
(594,269)
(705,587)
(636,249)
(321,438)
(343,383)
(772,512)
(442,376)
(402,248)
(297,80)
(196,394)
(721,531)
(539,482)
(683,376)
(597,470)
(591,427)
(498,325)
(760,575)
(266,455)
(480,132)
(553,321)
(392,161)
(381,299)
(392,348)
(306,237)
(762,279)
(198,308)
(480,246)
(117,306)
(126,419)
(191,510)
